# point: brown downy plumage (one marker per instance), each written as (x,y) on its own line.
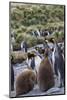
(45,75)
(25,82)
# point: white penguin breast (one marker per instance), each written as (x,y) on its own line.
(53,57)
(53,60)
(37,62)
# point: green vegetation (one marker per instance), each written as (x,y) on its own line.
(26,18)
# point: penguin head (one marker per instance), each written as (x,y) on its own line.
(31,54)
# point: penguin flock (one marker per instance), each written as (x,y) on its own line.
(51,64)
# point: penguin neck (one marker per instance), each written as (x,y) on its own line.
(46,57)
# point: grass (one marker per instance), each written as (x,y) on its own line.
(27,18)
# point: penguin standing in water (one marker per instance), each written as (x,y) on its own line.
(45,76)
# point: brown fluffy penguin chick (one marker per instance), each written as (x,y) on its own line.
(25,82)
(45,75)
